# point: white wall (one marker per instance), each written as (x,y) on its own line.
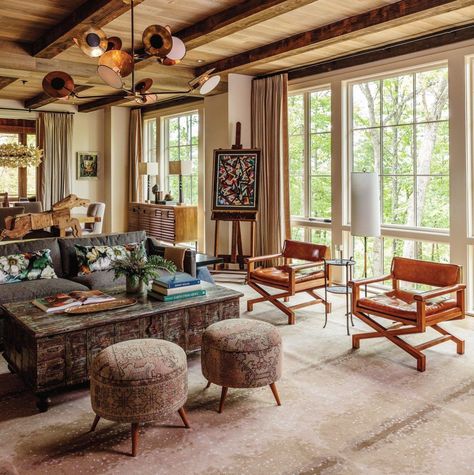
(239,106)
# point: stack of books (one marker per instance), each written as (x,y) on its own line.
(178,286)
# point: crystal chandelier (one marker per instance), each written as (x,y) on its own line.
(115,64)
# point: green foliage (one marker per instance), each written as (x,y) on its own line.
(138,266)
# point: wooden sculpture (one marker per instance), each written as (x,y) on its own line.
(60,216)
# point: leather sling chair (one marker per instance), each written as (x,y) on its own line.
(412,312)
(290,279)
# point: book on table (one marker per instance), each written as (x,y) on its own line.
(176,280)
(62,301)
(175,297)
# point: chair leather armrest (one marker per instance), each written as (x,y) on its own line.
(262,258)
(423,297)
(370,280)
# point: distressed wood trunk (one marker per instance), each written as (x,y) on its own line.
(51,351)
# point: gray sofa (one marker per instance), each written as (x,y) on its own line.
(65,265)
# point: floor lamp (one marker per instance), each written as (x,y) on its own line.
(180,168)
(148,169)
(365,208)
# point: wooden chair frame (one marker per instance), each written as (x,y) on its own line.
(407,327)
(288,290)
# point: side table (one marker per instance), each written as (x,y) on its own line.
(339,289)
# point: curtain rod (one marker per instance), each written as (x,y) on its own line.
(34,110)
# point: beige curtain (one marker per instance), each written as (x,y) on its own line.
(53,175)
(269,133)
(135,156)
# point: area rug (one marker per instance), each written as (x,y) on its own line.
(344,412)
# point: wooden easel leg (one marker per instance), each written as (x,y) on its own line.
(240,250)
(216,234)
(252,239)
(233,251)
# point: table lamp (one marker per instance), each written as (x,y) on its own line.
(180,168)
(148,169)
(365,208)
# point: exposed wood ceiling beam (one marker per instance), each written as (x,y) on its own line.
(5,81)
(178,101)
(375,20)
(236,18)
(43,99)
(101,103)
(231,20)
(392,50)
(59,38)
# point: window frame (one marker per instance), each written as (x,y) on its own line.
(22,128)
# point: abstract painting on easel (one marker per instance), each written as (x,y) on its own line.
(236,180)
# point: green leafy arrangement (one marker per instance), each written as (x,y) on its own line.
(138,267)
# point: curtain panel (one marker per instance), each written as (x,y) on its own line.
(135,191)
(54,132)
(270,134)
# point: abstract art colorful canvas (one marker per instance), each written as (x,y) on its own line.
(236,179)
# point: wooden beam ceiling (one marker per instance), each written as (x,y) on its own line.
(236,18)
(6,81)
(442,38)
(177,101)
(43,99)
(101,103)
(231,20)
(380,18)
(59,38)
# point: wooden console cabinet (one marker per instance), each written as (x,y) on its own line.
(173,224)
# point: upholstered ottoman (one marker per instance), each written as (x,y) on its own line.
(139,381)
(241,353)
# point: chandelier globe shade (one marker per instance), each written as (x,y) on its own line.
(157,41)
(178,49)
(93,42)
(115,65)
(209,85)
(58,84)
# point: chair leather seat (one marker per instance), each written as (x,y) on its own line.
(278,275)
(400,303)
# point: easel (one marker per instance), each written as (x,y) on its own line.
(236,217)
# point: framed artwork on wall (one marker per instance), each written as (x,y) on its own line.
(87,165)
(236,180)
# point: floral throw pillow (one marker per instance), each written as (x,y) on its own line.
(100,258)
(26,266)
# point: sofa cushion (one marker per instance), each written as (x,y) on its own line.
(36,245)
(101,258)
(26,266)
(33,289)
(68,250)
(99,280)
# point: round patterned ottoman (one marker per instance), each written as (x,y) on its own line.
(139,381)
(241,353)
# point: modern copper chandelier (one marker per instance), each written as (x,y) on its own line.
(116,64)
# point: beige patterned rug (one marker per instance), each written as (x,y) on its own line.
(343,412)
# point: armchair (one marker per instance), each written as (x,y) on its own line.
(412,312)
(291,279)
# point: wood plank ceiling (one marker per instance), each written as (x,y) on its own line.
(250,37)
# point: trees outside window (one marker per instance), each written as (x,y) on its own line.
(182,143)
(400,129)
(309,124)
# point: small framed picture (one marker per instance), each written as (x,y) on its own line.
(87,165)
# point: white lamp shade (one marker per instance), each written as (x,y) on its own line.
(148,168)
(178,50)
(180,167)
(210,85)
(365,204)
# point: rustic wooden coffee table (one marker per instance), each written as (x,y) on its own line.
(54,351)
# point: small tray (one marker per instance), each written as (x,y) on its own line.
(101,307)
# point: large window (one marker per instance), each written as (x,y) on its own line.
(309,122)
(181,142)
(18,182)
(400,129)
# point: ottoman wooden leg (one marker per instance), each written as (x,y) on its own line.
(184,418)
(94,424)
(275,393)
(223,396)
(134,438)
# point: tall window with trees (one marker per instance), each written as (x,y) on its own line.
(309,123)
(181,142)
(400,129)
(18,182)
